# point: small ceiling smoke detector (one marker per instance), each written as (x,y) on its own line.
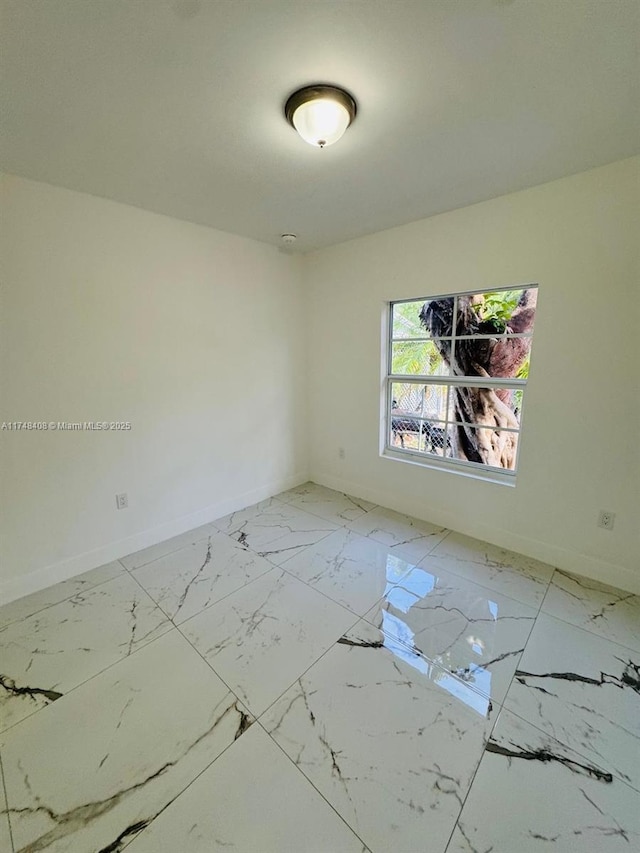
(288,239)
(321,113)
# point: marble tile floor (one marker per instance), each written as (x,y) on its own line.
(316,673)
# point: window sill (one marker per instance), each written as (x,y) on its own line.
(451,466)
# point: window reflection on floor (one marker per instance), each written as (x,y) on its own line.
(399,640)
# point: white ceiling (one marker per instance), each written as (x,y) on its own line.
(176,105)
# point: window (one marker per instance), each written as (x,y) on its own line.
(456,378)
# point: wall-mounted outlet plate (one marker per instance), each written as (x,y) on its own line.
(122,501)
(606,519)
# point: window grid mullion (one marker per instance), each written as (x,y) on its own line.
(476,381)
(512,336)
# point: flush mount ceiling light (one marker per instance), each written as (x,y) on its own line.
(320,114)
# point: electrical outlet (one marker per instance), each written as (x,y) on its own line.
(122,501)
(606,519)
(341,452)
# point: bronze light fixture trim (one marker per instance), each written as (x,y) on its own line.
(320,113)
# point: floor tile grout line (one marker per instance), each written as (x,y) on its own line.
(232,533)
(195,778)
(539,607)
(573,624)
(412,649)
(575,750)
(418,653)
(513,571)
(335,601)
(281,566)
(473,779)
(313,544)
(405,544)
(211,524)
(340,604)
(319,658)
(310,781)
(230,690)
(6,805)
(587,631)
(342,523)
(488,589)
(257,512)
(62,600)
(439,542)
(261,577)
(169,628)
(524,650)
(257,717)
(262,574)
(529,722)
(324,594)
(168,553)
(309,545)
(497,717)
(440,668)
(347,495)
(546,592)
(414,565)
(255,722)
(215,672)
(578,578)
(210,665)
(346,522)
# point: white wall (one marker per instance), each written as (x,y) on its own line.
(578,238)
(112,313)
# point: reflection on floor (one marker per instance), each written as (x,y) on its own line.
(315,673)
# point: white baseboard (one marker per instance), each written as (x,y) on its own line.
(18,587)
(562,558)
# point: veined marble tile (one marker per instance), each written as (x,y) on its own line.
(30,604)
(287,813)
(336,506)
(379,734)
(106,759)
(474,633)
(53,651)
(515,575)
(584,691)
(277,530)
(186,582)
(154,552)
(609,612)
(531,793)
(263,636)
(353,570)
(232,522)
(414,537)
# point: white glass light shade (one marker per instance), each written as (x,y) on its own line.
(321,121)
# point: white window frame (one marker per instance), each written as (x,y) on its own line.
(475,470)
